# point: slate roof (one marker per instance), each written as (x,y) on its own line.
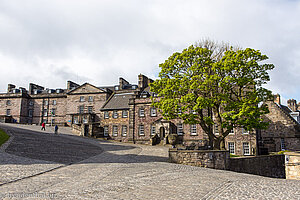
(118,101)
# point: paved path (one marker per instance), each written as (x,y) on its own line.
(101,170)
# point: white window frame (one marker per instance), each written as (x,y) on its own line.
(153,130)
(46,102)
(180,129)
(54,102)
(246,148)
(124,113)
(81,99)
(45,112)
(30,113)
(232,132)
(282,144)
(90,99)
(106,115)
(81,110)
(8,112)
(75,120)
(124,130)
(141,130)
(105,131)
(231,147)
(115,114)
(115,131)
(216,130)
(142,112)
(90,109)
(153,112)
(193,128)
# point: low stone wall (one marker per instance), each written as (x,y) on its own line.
(202,158)
(292,165)
(269,165)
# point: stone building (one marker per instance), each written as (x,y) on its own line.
(283,132)
(124,113)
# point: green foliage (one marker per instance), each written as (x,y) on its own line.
(200,89)
(3,137)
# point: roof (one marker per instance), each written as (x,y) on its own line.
(118,101)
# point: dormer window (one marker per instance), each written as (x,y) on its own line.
(116,87)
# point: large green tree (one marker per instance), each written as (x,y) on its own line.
(215,86)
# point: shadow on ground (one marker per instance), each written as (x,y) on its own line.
(67,149)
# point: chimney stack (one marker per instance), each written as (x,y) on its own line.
(292,104)
(277,99)
(10,88)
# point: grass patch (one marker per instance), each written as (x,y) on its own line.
(3,137)
(233,156)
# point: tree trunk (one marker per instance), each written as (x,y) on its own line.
(219,144)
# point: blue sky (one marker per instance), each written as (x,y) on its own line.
(98,41)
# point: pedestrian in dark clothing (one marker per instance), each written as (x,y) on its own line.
(43,126)
(56,129)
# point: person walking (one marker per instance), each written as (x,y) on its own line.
(56,129)
(43,126)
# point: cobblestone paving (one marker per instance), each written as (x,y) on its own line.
(124,171)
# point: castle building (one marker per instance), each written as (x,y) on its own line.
(124,113)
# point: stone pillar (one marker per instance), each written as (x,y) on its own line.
(292,165)
(131,136)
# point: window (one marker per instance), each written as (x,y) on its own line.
(45,112)
(54,102)
(124,113)
(153,112)
(115,114)
(180,129)
(244,131)
(91,98)
(52,121)
(124,130)
(141,130)
(8,112)
(31,103)
(105,130)
(282,144)
(90,109)
(75,120)
(81,99)
(193,129)
(231,132)
(216,129)
(30,113)
(85,119)
(45,121)
(8,102)
(231,147)
(81,109)
(246,148)
(153,130)
(46,102)
(53,111)
(115,131)
(106,115)
(142,112)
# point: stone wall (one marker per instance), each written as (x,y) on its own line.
(292,165)
(269,165)
(201,158)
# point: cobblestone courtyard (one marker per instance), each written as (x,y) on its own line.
(71,167)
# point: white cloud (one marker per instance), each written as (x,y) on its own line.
(50,42)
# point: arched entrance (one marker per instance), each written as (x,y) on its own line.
(162,133)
